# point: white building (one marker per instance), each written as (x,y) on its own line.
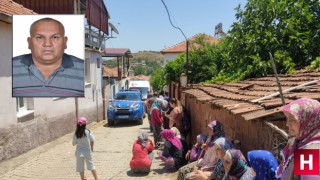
(29,122)
(172,52)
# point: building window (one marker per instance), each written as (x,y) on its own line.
(98,62)
(21,104)
(24,107)
(87,71)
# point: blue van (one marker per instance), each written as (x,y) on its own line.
(127,105)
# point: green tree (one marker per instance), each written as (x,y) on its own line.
(158,79)
(174,68)
(289,29)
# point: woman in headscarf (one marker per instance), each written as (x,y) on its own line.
(142,154)
(220,146)
(172,153)
(209,160)
(264,164)
(303,121)
(235,166)
(196,150)
(156,120)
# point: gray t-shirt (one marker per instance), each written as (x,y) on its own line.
(83,144)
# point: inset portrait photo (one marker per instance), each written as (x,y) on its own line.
(48,56)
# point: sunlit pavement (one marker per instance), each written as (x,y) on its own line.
(112,155)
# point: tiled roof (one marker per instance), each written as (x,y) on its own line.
(239,97)
(117,52)
(8,7)
(141,77)
(181,47)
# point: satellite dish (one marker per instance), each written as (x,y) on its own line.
(113,28)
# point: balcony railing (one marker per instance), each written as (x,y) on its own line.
(96,41)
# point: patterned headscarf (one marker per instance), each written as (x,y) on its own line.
(239,163)
(156,105)
(263,163)
(307,114)
(224,144)
(168,135)
(176,132)
(202,138)
(217,128)
(143,138)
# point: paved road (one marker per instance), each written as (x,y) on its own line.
(112,155)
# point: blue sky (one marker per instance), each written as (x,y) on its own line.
(144,24)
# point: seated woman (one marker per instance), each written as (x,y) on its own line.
(303,121)
(221,145)
(182,139)
(235,166)
(263,163)
(172,153)
(196,151)
(209,160)
(142,154)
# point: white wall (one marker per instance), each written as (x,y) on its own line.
(169,56)
(94,89)
(51,107)
(7,103)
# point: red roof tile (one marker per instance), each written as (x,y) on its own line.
(238,97)
(10,8)
(181,47)
(147,78)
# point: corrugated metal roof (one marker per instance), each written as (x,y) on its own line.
(96,11)
(117,52)
(181,47)
(238,97)
(9,8)
(97,14)
(49,6)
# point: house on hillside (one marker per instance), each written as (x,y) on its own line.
(257,123)
(29,122)
(174,51)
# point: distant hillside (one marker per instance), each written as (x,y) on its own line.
(142,63)
(146,56)
(139,58)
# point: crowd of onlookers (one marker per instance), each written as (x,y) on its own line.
(214,156)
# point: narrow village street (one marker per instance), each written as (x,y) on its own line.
(56,160)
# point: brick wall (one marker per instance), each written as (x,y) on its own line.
(252,134)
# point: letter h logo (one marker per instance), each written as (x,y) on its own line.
(307,162)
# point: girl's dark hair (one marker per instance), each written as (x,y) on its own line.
(173,100)
(80,131)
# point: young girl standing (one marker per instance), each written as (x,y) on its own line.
(84,140)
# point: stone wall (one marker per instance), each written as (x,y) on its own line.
(32,132)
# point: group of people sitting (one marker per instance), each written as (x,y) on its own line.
(214,156)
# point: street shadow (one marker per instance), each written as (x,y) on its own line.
(133,174)
(164,170)
(122,124)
